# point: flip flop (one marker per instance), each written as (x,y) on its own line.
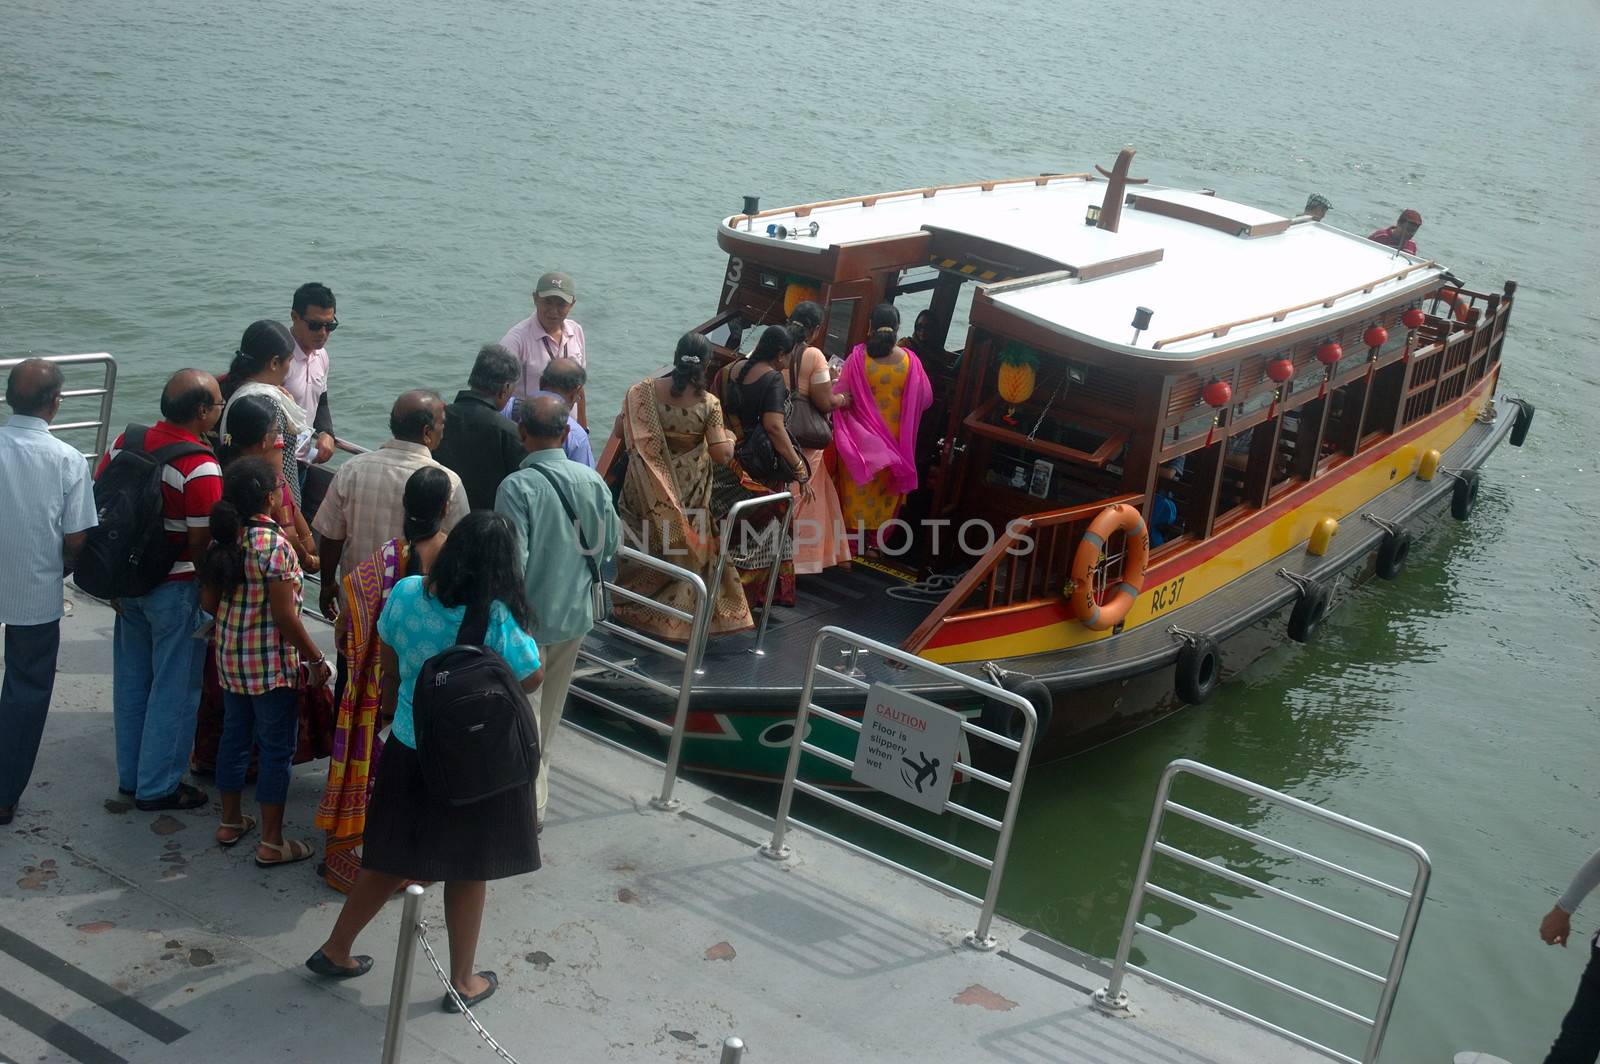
(449,1003)
(246,825)
(290,851)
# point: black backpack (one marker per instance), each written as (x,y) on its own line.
(475,732)
(128,553)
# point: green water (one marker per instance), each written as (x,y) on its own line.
(169,172)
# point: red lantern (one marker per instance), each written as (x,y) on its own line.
(1413,318)
(1329,354)
(1376,336)
(1280,370)
(1218,394)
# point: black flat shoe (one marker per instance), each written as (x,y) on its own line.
(319,963)
(185,797)
(488,992)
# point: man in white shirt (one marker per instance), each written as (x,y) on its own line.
(46,509)
(548,333)
(312,319)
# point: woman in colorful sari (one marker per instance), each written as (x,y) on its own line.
(876,434)
(342,813)
(672,430)
(820,534)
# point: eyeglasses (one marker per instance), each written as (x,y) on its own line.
(321,326)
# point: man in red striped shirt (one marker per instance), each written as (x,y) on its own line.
(157,660)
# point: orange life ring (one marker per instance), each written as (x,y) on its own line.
(1113,519)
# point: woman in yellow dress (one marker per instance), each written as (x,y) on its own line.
(876,433)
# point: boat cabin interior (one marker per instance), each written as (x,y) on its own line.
(1198,359)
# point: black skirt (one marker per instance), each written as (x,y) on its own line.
(408,834)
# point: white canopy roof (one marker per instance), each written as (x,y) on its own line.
(1206,277)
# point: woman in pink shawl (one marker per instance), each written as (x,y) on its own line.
(877,440)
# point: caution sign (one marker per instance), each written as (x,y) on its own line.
(908,747)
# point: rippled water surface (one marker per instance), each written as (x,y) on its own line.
(170,171)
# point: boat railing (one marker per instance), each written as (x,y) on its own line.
(104,392)
(1020,748)
(698,618)
(1215,331)
(1397,941)
(732,525)
(928,192)
(1030,561)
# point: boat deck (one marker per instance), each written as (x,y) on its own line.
(648,936)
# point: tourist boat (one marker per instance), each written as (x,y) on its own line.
(1175,429)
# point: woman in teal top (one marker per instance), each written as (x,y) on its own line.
(408,835)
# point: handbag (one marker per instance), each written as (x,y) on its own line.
(808,427)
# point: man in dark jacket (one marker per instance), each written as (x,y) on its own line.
(480,445)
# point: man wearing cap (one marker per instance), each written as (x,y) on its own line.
(1400,233)
(548,333)
(1317,206)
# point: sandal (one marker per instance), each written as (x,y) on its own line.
(246,825)
(289,852)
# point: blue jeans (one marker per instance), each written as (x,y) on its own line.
(156,671)
(272,720)
(24,700)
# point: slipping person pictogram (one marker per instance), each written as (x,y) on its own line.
(927,771)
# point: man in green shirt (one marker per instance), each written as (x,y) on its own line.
(563,512)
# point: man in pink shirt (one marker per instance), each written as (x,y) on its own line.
(1400,233)
(312,319)
(548,334)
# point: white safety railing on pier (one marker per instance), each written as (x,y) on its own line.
(698,618)
(1022,748)
(1112,999)
(104,392)
(731,523)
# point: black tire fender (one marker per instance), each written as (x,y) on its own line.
(1393,552)
(1519,427)
(1199,670)
(1005,719)
(1308,613)
(1464,494)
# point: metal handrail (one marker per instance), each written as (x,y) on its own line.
(1113,999)
(699,625)
(979,938)
(105,393)
(725,544)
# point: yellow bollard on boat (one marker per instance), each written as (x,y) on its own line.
(1322,535)
(1428,466)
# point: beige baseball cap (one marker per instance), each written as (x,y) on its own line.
(556,283)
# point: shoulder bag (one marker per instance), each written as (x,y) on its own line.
(809,427)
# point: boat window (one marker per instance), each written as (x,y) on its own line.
(841,314)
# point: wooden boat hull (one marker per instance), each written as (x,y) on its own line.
(1105,685)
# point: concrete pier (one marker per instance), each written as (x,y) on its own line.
(647,936)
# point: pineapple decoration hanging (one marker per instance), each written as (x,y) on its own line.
(1018,376)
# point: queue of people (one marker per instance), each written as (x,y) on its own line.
(465,526)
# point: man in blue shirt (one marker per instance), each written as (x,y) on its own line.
(564,378)
(46,509)
(569,530)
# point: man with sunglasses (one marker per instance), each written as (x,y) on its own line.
(312,319)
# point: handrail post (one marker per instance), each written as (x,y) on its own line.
(394,1031)
(1111,999)
(775,849)
(1397,963)
(732,1050)
(772,575)
(980,939)
(680,718)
